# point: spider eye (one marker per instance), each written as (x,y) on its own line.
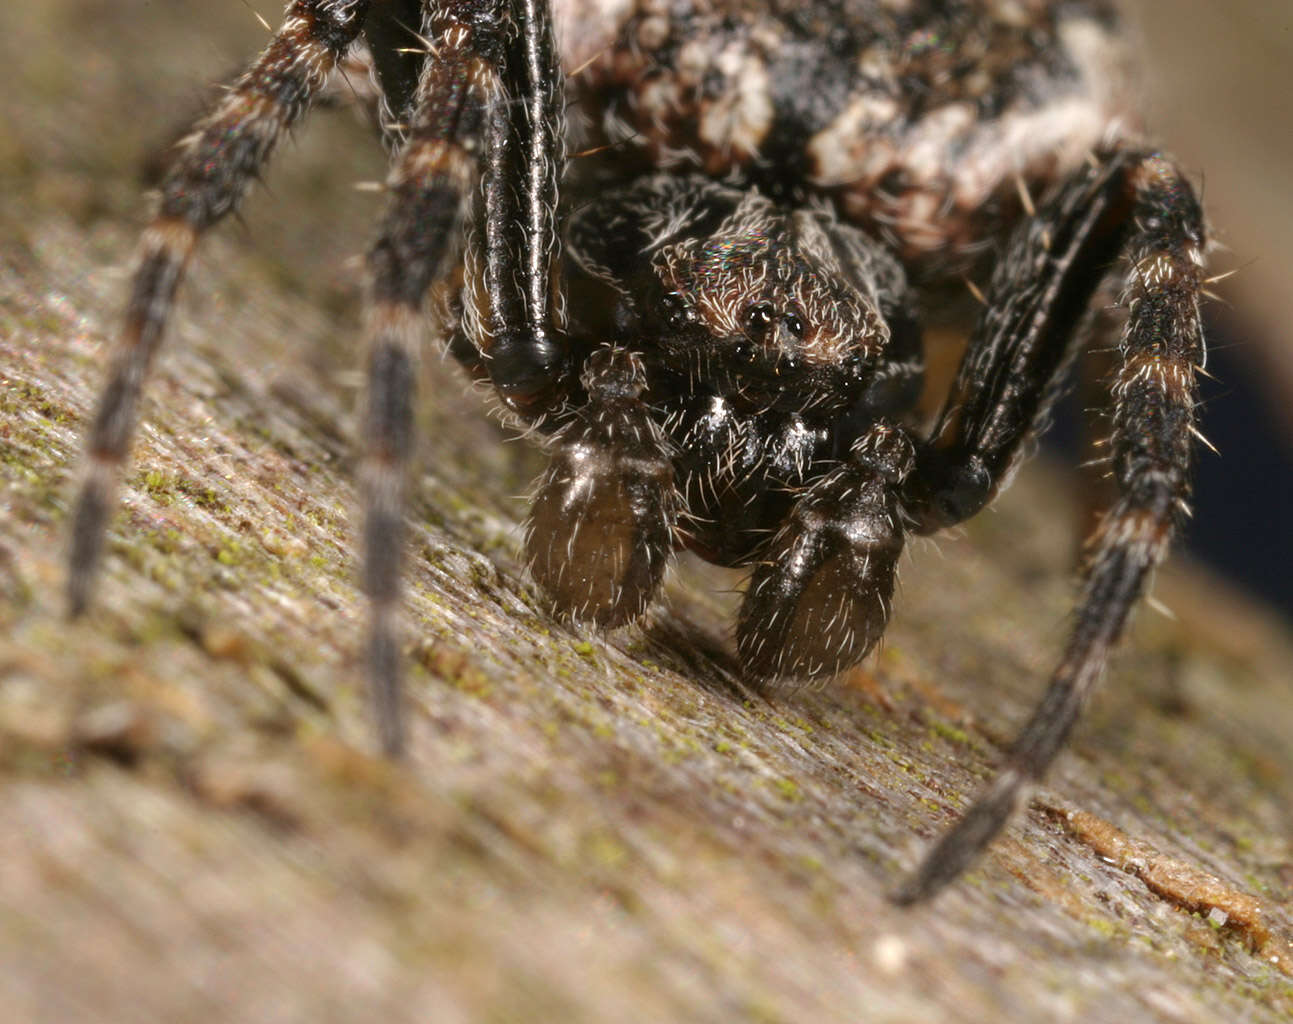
(673,311)
(758,318)
(794,324)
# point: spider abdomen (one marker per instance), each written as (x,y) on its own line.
(916,120)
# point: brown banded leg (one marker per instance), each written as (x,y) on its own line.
(352,86)
(820,598)
(430,188)
(601,526)
(225,152)
(1141,206)
(491,75)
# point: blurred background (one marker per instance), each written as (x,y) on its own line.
(1218,93)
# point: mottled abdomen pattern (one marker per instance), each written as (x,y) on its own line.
(917,119)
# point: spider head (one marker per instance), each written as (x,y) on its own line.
(769,306)
(767,312)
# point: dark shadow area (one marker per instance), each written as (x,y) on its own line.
(1243,506)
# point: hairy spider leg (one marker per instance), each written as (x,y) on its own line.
(1137,204)
(492,75)
(518,330)
(216,164)
(429,186)
(821,595)
(602,523)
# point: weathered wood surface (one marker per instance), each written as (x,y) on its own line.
(589,827)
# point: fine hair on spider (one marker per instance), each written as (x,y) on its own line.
(713,323)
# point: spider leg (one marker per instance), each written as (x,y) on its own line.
(1013,368)
(430,185)
(351,86)
(219,160)
(515,320)
(601,525)
(821,597)
(492,73)
(1140,205)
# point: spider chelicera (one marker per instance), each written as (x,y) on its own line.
(713,316)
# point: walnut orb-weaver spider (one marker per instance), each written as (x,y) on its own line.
(714,316)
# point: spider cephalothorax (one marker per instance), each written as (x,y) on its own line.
(769,306)
(713,317)
(763,331)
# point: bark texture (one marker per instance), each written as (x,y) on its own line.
(589,827)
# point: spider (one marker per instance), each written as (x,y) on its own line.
(712,318)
